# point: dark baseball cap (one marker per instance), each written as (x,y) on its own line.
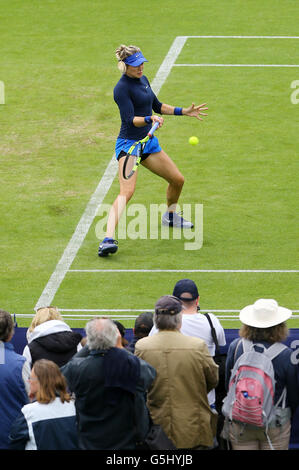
(144,323)
(168,304)
(183,286)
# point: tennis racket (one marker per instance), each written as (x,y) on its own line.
(132,162)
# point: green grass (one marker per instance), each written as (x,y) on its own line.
(57,132)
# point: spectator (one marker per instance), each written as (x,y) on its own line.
(13,370)
(123,341)
(194,323)
(49,337)
(264,322)
(110,385)
(143,325)
(185,373)
(49,423)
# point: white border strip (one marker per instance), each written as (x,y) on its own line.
(240,37)
(183,271)
(97,198)
(235,65)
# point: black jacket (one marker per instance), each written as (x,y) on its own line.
(57,347)
(106,424)
(53,340)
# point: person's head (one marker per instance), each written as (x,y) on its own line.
(130,60)
(186,290)
(122,330)
(101,333)
(44,314)
(6,326)
(47,382)
(264,321)
(168,313)
(143,324)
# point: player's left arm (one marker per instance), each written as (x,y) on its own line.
(192,111)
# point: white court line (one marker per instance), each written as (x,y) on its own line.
(235,65)
(142,310)
(102,189)
(240,37)
(183,271)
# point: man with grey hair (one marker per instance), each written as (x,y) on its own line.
(109,385)
(186,372)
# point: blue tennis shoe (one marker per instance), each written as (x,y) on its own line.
(108,245)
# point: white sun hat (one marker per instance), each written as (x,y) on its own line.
(264,313)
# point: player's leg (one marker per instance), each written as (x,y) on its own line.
(162,165)
(126,191)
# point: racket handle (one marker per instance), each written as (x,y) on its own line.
(155,127)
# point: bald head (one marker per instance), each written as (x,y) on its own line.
(101,333)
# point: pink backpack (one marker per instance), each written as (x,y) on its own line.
(250,398)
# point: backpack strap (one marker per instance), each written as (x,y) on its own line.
(247,345)
(213,332)
(274,350)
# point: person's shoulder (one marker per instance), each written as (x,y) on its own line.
(145,342)
(234,343)
(120,86)
(122,82)
(191,341)
(16,357)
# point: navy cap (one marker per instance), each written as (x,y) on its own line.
(185,286)
(135,59)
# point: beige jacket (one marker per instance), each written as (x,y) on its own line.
(178,400)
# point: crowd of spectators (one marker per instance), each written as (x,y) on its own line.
(103,392)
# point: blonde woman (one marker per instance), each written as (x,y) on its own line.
(49,337)
(49,422)
(136,101)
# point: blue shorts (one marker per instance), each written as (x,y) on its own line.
(151,146)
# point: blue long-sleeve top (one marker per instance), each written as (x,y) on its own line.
(285,372)
(135,97)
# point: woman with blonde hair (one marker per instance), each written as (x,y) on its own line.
(49,422)
(49,337)
(136,101)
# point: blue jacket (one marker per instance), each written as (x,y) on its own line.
(13,394)
(285,372)
(50,426)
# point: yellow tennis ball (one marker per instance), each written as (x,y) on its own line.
(193,140)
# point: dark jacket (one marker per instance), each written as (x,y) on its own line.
(13,395)
(131,346)
(108,418)
(53,340)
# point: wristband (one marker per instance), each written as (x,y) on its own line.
(148,119)
(178,111)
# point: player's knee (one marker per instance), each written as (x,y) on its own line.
(180,180)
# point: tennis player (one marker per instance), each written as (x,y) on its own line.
(136,101)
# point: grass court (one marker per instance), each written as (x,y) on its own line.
(57,132)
